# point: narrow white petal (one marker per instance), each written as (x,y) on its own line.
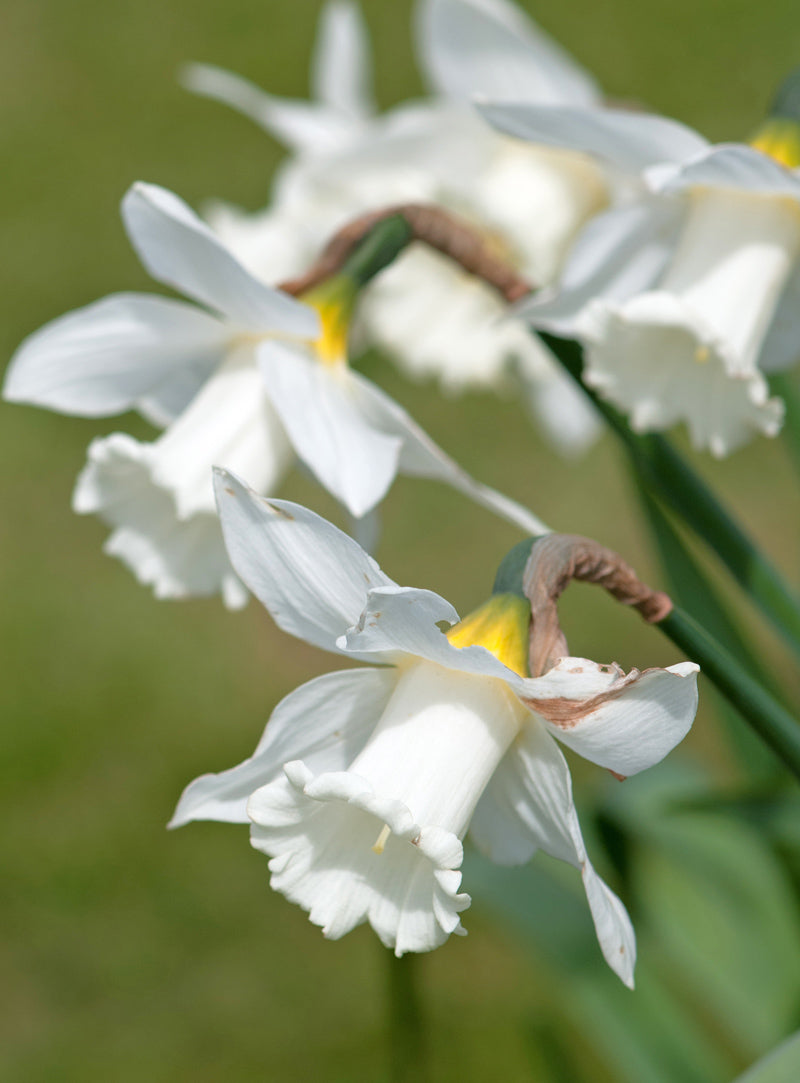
(325,722)
(629,141)
(421,457)
(398,621)
(489,47)
(304,127)
(732,166)
(619,253)
(312,578)
(352,459)
(178,249)
(178,559)
(341,65)
(530,798)
(625,722)
(107,357)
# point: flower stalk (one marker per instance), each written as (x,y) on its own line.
(407,1044)
(772,722)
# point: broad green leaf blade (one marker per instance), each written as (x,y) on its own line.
(782,1065)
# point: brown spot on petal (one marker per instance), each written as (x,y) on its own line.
(566,713)
(279,511)
(230,492)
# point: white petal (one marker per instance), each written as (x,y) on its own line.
(459,333)
(404,621)
(656,359)
(616,255)
(320,833)
(535,200)
(178,249)
(398,621)
(107,357)
(353,460)
(312,578)
(732,166)
(341,68)
(629,141)
(230,423)
(325,722)
(304,127)
(625,722)
(421,457)
(177,558)
(530,796)
(489,47)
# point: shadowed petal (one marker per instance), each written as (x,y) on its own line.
(312,578)
(527,806)
(325,722)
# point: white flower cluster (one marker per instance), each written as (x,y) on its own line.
(676,265)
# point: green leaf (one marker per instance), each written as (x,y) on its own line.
(782,1065)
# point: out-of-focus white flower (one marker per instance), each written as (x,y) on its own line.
(530,200)
(251,384)
(366,781)
(688,295)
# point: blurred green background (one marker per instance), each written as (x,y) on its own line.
(129,953)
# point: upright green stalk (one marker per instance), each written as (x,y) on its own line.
(670,477)
(768,718)
(407,1043)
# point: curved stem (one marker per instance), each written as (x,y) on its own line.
(669,476)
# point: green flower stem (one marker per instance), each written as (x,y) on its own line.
(407,1045)
(670,477)
(768,718)
(689,585)
(379,247)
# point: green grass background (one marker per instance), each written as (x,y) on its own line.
(129,953)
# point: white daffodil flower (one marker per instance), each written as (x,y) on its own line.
(366,781)
(253,383)
(688,295)
(530,200)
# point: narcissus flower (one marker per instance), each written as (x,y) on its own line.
(366,780)
(687,296)
(531,201)
(252,380)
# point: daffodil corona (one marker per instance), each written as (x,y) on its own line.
(686,295)
(367,780)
